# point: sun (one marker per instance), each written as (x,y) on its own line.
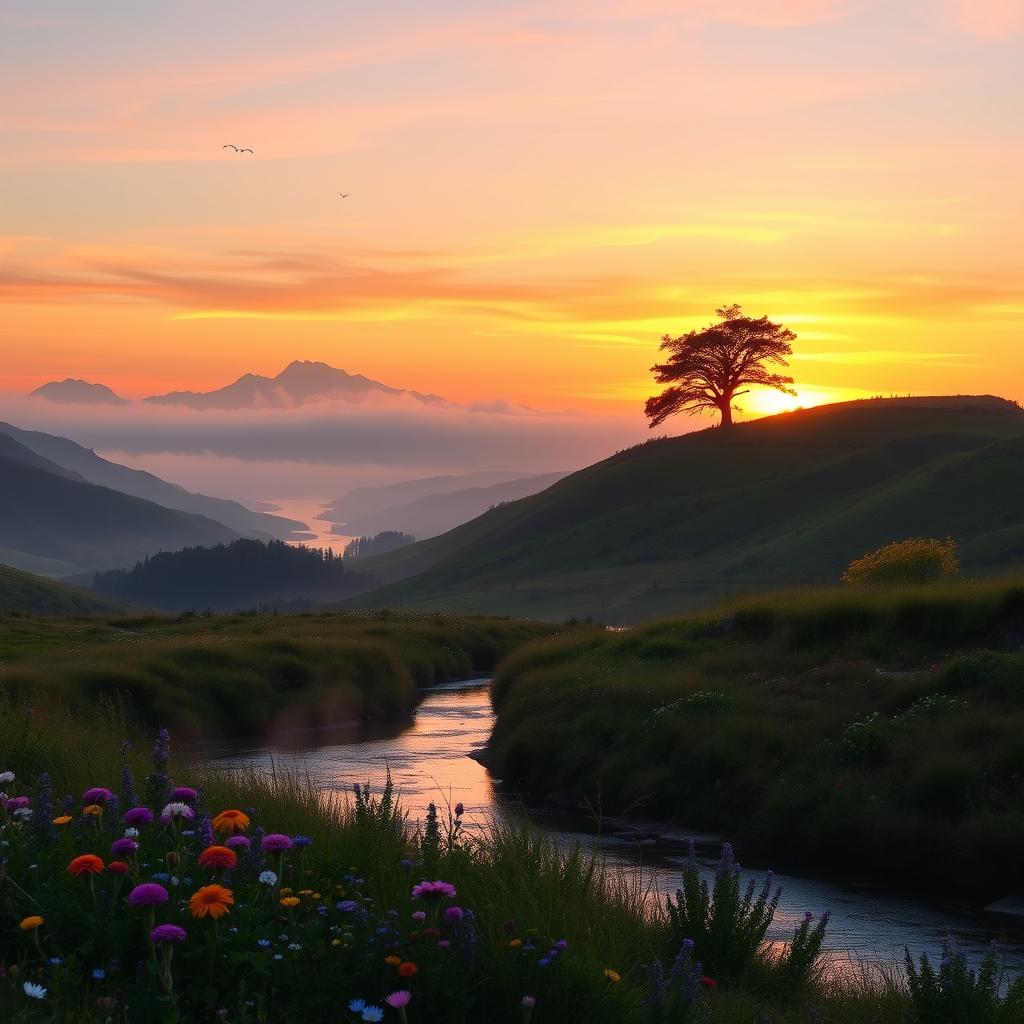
(764,402)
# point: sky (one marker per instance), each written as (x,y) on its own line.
(539,191)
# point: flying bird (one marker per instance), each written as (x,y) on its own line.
(245,151)
(229,146)
(344,195)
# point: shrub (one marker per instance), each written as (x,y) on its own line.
(918,560)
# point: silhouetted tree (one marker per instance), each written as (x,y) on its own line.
(388,540)
(708,368)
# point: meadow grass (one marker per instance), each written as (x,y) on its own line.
(249,675)
(879,732)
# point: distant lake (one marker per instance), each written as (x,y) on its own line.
(308,510)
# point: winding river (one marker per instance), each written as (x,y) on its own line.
(428,759)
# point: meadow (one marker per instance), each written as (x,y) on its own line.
(153,891)
(247,675)
(873,732)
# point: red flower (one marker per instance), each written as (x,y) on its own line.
(218,857)
(86,863)
(117,867)
(708,982)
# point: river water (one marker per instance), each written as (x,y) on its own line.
(428,760)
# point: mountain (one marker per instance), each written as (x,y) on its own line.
(71,391)
(686,521)
(80,526)
(32,595)
(433,514)
(61,453)
(361,503)
(11,448)
(299,383)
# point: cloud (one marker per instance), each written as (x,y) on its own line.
(987,19)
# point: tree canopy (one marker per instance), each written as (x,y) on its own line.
(710,368)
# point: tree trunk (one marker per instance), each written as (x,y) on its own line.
(726,410)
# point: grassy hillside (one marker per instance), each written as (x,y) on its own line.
(681,522)
(43,514)
(247,675)
(26,594)
(879,732)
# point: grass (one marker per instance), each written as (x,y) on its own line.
(682,522)
(248,675)
(22,593)
(515,881)
(877,732)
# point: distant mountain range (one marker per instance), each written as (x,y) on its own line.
(300,383)
(687,521)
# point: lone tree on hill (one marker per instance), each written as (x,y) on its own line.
(708,368)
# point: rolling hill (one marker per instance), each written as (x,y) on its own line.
(72,391)
(680,522)
(32,595)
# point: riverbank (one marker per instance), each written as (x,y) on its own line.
(247,675)
(875,733)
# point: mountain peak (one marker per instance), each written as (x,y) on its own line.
(72,391)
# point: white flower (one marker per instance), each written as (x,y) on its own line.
(6,777)
(33,990)
(177,810)
(131,833)
(23,813)
(268,878)
(294,945)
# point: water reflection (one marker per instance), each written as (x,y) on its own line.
(428,762)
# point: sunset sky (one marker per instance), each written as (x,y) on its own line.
(540,190)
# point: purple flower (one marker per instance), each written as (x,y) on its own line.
(237,842)
(399,999)
(443,943)
(16,803)
(147,895)
(97,795)
(419,915)
(137,816)
(123,847)
(274,842)
(186,794)
(433,891)
(453,914)
(167,933)
(347,906)
(529,1002)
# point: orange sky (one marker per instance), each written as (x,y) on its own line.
(539,192)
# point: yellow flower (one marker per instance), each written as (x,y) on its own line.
(92,811)
(394,961)
(290,901)
(305,892)
(335,942)
(63,819)
(286,891)
(613,976)
(316,896)
(515,943)
(30,924)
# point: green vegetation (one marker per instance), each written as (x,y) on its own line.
(241,575)
(685,522)
(918,560)
(248,675)
(614,959)
(21,593)
(874,730)
(378,544)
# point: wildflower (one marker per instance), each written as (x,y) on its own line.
(268,878)
(231,821)
(148,895)
(515,943)
(63,819)
(98,974)
(393,960)
(357,1005)
(287,891)
(453,914)
(290,901)
(34,991)
(184,794)
(443,943)
(433,891)
(176,809)
(707,982)
(274,842)
(544,961)
(217,857)
(347,906)
(16,803)
(23,814)
(167,933)
(123,847)
(131,833)
(373,1013)
(238,843)
(118,867)
(406,969)
(92,810)
(528,1001)
(399,999)
(613,976)
(97,795)
(86,863)
(301,841)
(30,924)
(263,943)
(212,900)
(6,777)
(294,945)
(136,816)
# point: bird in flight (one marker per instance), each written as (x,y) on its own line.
(344,195)
(245,151)
(229,146)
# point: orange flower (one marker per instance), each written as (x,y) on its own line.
(393,960)
(217,857)
(407,969)
(92,811)
(30,924)
(85,864)
(515,943)
(62,819)
(211,899)
(290,901)
(231,821)
(612,975)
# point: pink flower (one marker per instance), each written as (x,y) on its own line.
(419,915)
(433,891)
(399,999)
(453,914)
(184,793)
(275,843)
(16,803)
(136,816)
(147,895)
(97,795)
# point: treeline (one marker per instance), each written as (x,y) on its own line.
(388,540)
(240,575)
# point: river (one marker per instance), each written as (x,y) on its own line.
(428,759)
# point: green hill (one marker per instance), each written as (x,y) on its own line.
(680,522)
(32,595)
